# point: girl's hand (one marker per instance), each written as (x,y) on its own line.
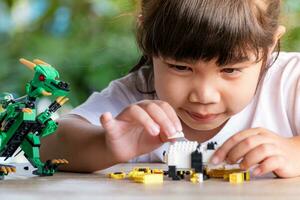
(263,148)
(139,128)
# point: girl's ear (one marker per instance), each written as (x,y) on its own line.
(277,36)
(279,32)
(140,19)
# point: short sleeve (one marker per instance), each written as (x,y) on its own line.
(297,108)
(119,94)
(290,84)
(112,99)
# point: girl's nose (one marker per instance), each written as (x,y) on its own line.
(205,94)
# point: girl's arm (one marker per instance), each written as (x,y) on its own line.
(80,142)
(138,129)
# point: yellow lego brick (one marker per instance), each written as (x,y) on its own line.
(219,173)
(246,175)
(117,175)
(137,171)
(236,177)
(149,178)
(157,171)
(196,178)
(226,177)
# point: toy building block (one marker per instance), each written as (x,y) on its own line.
(149,178)
(247,175)
(6,169)
(197,178)
(188,155)
(172,173)
(21,126)
(236,177)
(117,175)
(178,135)
(138,171)
(197,160)
(220,173)
(157,171)
(179,154)
(141,175)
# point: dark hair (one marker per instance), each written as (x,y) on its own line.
(225,30)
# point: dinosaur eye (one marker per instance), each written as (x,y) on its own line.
(42,78)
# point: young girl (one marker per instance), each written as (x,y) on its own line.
(208,69)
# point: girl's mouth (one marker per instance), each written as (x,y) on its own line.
(207,118)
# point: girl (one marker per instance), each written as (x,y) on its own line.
(207,70)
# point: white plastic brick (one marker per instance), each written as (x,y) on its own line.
(179,154)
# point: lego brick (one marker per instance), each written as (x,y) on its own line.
(149,178)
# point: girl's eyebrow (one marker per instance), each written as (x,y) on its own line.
(237,61)
(241,60)
(181,62)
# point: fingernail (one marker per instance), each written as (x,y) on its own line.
(215,160)
(171,131)
(178,127)
(257,172)
(155,129)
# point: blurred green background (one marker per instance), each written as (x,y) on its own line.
(90,42)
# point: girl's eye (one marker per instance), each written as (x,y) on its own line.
(180,68)
(231,71)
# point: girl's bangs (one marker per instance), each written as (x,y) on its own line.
(183,32)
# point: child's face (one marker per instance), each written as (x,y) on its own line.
(203,94)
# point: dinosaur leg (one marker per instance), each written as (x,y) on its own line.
(5,170)
(31,147)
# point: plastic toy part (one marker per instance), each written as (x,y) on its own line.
(143,175)
(188,156)
(220,173)
(178,135)
(197,178)
(137,171)
(21,126)
(117,175)
(236,178)
(245,174)
(6,169)
(149,178)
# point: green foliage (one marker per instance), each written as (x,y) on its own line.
(90,42)
(290,19)
(97,46)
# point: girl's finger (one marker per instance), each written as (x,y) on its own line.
(245,146)
(106,120)
(161,118)
(135,114)
(221,153)
(258,155)
(169,110)
(270,164)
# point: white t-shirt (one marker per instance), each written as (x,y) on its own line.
(276,105)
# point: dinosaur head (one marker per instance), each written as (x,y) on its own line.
(45,81)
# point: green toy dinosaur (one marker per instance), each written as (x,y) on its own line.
(20,126)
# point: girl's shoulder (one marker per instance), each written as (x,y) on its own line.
(285,59)
(139,82)
(284,67)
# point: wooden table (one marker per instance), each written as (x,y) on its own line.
(73,186)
